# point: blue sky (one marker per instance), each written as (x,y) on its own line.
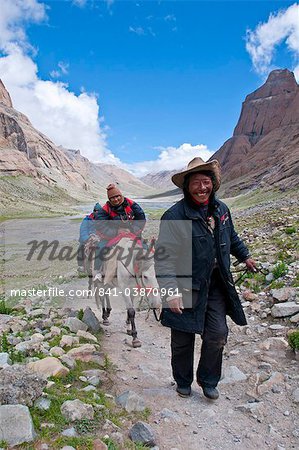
(144,84)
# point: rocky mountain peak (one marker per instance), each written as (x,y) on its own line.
(266,108)
(4,96)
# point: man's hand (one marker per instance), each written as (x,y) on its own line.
(251,265)
(176,305)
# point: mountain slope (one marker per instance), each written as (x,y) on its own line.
(36,172)
(264,149)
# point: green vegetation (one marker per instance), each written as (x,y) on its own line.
(280,270)
(4,309)
(293,339)
(80,314)
(290,230)
(6,347)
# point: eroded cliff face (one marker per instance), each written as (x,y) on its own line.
(264,149)
(26,151)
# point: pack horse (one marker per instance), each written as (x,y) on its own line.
(127,273)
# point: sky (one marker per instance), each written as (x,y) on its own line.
(146,85)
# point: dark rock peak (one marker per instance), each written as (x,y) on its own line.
(4,96)
(279,82)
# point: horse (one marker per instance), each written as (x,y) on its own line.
(127,272)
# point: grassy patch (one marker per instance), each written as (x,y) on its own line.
(293,339)
(4,309)
(280,270)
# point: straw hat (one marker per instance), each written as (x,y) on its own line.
(198,165)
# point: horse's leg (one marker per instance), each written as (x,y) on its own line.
(131,315)
(106,311)
(90,283)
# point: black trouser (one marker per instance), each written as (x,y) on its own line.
(213,340)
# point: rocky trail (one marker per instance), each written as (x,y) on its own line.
(131,395)
(258,405)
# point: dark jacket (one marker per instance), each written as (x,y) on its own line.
(109,226)
(189,248)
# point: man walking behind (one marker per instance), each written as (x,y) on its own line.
(196,238)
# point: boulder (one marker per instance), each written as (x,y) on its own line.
(86,335)
(285,309)
(4,360)
(142,433)
(49,367)
(76,410)
(16,424)
(130,401)
(283,294)
(99,445)
(18,385)
(57,351)
(75,324)
(86,352)
(232,374)
(90,319)
(68,341)
(276,378)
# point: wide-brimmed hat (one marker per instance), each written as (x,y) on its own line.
(198,165)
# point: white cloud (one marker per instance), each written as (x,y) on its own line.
(262,42)
(80,3)
(68,119)
(137,30)
(170,158)
(63,69)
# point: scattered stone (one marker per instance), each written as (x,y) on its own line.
(86,352)
(76,410)
(276,378)
(249,296)
(130,401)
(57,351)
(4,360)
(16,424)
(283,294)
(99,445)
(274,343)
(168,414)
(55,331)
(277,327)
(88,388)
(68,361)
(232,374)
(68,341)
(250,406)
(295,318)
(75,324)
(285,309)
(42,403)
(95,381)
(87,335)
(68,447)
(295,396)
(269,277)
(70,432)
(29,347)
(49,367)
(37,337)
(18,385)
(92,322)
(142,433)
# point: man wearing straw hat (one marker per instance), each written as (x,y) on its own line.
(196,237)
